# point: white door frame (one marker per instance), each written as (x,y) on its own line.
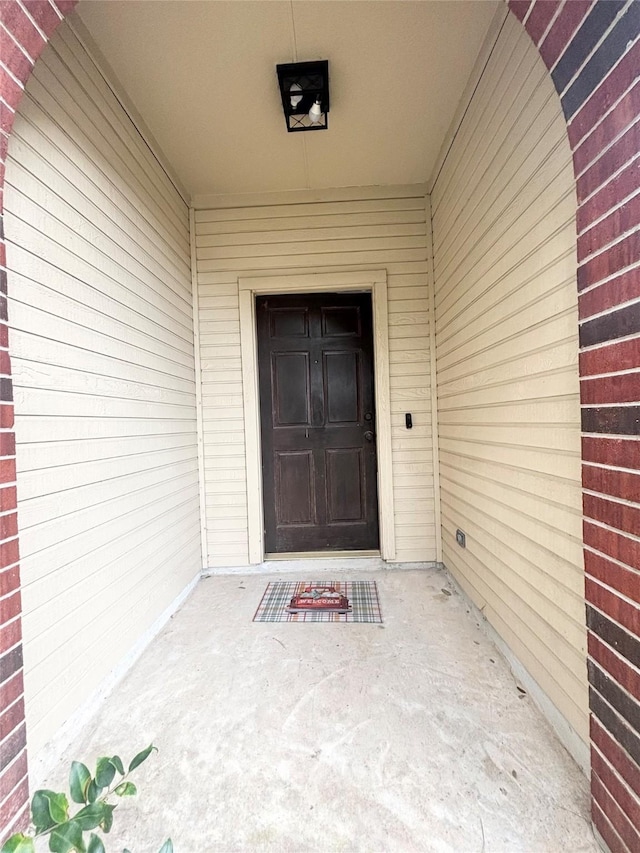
(368,281)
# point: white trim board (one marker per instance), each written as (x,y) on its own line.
(371,281)
(308,567)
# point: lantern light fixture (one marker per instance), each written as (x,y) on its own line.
(304,88)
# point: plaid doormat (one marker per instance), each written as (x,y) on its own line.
(362,595)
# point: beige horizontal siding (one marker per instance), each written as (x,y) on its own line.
(506,339)
(103,366)
(352,232)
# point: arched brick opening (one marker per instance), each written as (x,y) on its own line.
(593,54)
(592,51)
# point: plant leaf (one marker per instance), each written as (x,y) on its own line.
(117,763)
(93,791)
(18,843)
(95,845)
(167,847)
(141,756)
(66,837)
(79,780)
(48,809)
(126,789)
(105,771)
(92,815)
(107,821)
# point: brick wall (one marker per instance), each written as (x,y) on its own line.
(25,28)
(593,53)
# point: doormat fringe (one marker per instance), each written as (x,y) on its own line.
(362,595)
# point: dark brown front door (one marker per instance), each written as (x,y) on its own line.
(315,357)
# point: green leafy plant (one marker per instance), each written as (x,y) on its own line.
(67,833)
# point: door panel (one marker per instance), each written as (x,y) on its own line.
(290,380)
(342,387)
(294,487)
(315,358)
(344,485)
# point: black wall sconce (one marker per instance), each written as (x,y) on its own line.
(304,87)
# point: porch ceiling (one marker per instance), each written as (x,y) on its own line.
(202,77)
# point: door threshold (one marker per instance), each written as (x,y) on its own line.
(311,555)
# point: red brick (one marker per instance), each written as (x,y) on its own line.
(9,553)
(620,579)
(615,755)
(12,747)
(625,113)
(620,516)
(624,388)
(616,815)
(622,612)
(14,803)
(7,117)
(614,259)
(21,28)
(8,525)
(11,607)
(14,774)
(5,363)
(609,835)
(539,18)
(619,221)
(6,418)
(9,580)
(616,355)
(607,481)
(10,91)
(619,79)
(609,162)
(8,498)
(11,690)
(615,667)
(11,718)
(43,14)
(7,444)
(13,58)
(19,824)
(519,8)
(10,635)
(563,29)
(7,470)
(612,544)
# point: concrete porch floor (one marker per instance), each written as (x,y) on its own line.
(406,736)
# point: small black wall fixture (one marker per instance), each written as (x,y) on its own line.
(304,87)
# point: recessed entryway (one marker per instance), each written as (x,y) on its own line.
(344,317)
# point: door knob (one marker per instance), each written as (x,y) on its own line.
(368,435)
